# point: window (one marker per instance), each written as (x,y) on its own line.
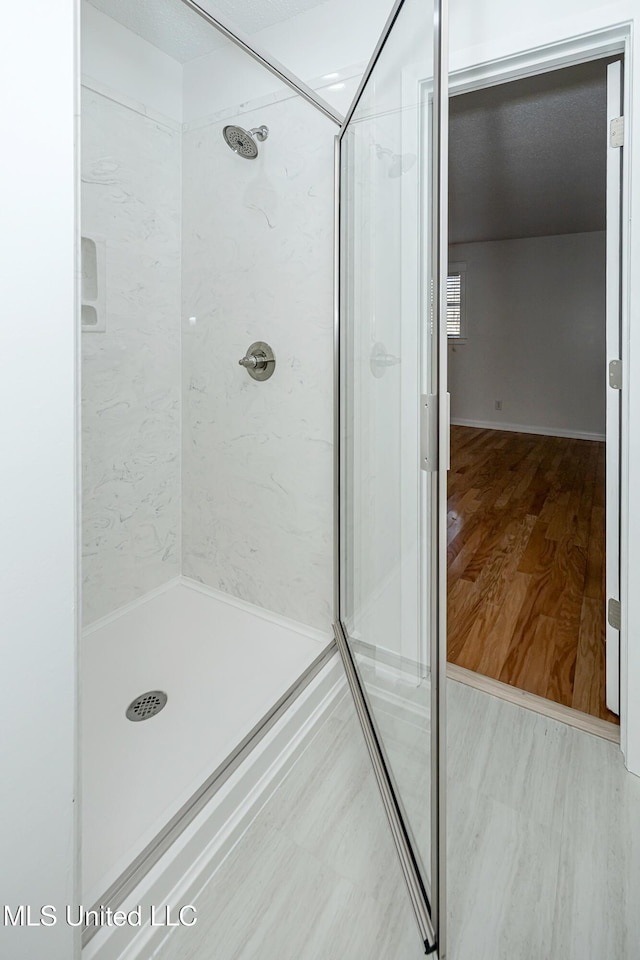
(455,301)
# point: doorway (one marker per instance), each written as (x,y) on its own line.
(534,448)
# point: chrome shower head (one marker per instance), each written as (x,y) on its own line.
(243,142)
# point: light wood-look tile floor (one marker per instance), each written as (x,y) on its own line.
(316,875)
(543,851)
(526,545)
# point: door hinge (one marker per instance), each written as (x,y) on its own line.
(615,374)
(613,614)
(429,432)
(616,132)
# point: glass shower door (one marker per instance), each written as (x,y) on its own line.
(392,254)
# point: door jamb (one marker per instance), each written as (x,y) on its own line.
(579,49)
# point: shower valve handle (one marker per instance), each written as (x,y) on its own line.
(255,361)
(251,362)
(259,361)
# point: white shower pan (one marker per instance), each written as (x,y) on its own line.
(223,664)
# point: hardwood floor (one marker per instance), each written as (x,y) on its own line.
(526,544)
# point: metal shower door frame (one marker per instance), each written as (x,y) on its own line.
(205,8)
(430,911)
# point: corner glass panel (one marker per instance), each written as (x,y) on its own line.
(388,359)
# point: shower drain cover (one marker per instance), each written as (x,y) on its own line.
(146,705)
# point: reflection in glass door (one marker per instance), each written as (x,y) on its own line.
(390,625)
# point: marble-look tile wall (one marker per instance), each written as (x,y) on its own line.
(131,373)
(257,457)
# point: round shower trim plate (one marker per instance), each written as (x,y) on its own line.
(147,705)
(266,360)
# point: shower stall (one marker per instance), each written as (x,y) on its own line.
(222,462)
(206,514)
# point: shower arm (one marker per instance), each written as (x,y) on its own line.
(260,133)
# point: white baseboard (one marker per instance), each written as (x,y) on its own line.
(522,428)
(180,875)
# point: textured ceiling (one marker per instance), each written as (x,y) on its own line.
(177,30)
(527,158)
(168,24)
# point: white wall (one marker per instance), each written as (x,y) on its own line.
(535,335)
(257,457)
(228,78)
(118,59)
(485,30)
(327,37)
(131,197)
(332,38)
(37,425)
(256,498)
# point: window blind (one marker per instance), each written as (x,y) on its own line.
(454,305)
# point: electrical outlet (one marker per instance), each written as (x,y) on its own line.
(498,404)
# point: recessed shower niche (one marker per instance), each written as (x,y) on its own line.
(93,284)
